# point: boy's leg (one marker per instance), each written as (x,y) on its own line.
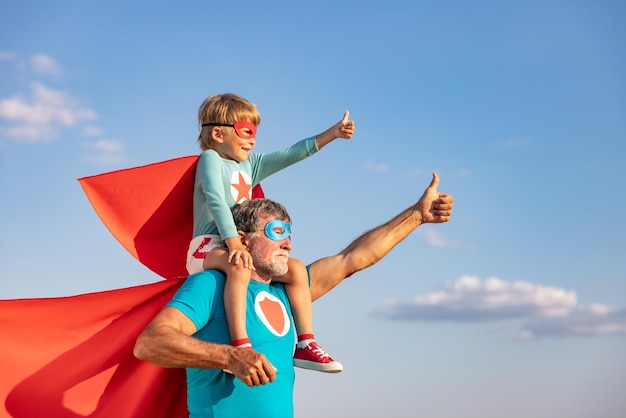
(235,293)
(309,354)
(297,286)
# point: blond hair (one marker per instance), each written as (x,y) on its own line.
(224,108)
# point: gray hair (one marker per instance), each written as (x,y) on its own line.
(248,215)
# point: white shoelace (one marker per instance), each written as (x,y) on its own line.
(319,351)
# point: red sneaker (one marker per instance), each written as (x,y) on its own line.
(313,357)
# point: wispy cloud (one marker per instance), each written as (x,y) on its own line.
(7,56)
(373,166)
(104,152)
(434,238)
(592,320)
(44,64)
(92,131)
(39,117)
(544,311)
(41,113)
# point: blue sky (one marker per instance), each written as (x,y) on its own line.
(516,308)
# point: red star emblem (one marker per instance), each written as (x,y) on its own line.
(243,189)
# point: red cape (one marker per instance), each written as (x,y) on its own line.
(72,357)
(149,209)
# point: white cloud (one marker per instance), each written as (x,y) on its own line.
(47,111)
(583,321)
(43,64)
(41,115)
(435,239)
(29,133)
(544,310)
(371,166)
(104,152)
(110,146)
(92,131)
(7,56)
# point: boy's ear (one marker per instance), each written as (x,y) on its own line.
(216,134)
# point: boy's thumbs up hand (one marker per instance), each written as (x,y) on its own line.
(346,126)
(342,129)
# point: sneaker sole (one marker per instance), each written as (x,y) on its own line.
(333,367)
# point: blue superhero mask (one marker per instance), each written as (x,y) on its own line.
(277,230)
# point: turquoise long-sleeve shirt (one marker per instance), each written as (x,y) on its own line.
(220,184)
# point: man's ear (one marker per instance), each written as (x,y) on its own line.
(216,134)
(244,240)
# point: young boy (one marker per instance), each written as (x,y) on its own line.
(226,172)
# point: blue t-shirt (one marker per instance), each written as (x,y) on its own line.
(215,393)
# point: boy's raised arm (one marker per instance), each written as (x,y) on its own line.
(342,129)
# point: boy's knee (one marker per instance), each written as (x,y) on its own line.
(295,263)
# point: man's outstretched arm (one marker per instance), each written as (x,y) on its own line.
(372,246)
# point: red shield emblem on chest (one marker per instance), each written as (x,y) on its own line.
(272,312)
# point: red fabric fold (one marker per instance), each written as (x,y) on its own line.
(73,357)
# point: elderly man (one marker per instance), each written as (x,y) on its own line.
(192,332)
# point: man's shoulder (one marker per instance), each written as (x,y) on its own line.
(207,275)
(199,288)
(199,298)
(213,278)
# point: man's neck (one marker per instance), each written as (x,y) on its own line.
(259,277)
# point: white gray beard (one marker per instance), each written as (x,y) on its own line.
(271,268)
